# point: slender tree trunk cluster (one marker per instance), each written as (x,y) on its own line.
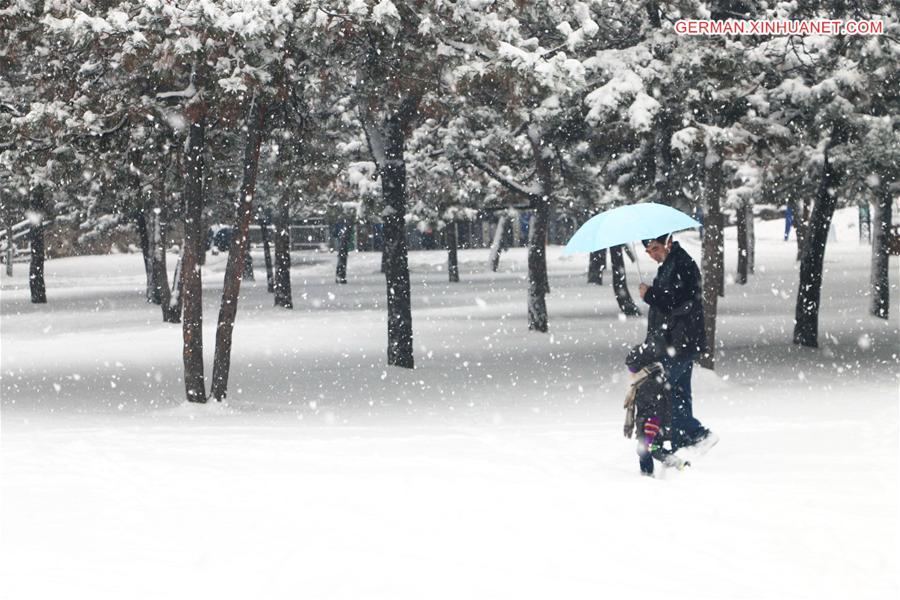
(152,226)
(144,226)
(160,277)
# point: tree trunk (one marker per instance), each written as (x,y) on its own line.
(720,254)
(147,253)
(662,155)
(192,285)
(154,282)
(515,230)
(363,237)
(238,252)
(9,241)
(204,242)
(806,317)
(173,315)
(463,234)
(452,258)
(653,14)
(596,267)
(396,262)
(343,250)
(497,244)
(36,235)
(482,231)
(267,253)
(9,255)
(145,228)
(9,220)
(283,254)
(538,281)
(751,241)
(801,226)
(247,272)
(712,263)
(386,127)
(620,283)
(160,275)
(538,284)
(743,249)
(881,231)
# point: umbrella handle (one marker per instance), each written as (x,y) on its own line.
(637,263)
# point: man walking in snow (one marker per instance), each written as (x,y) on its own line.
(676,315)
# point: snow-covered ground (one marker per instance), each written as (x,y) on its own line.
(495,469)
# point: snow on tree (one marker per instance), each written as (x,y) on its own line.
(230,58)
(449,192)
(826,100)
(397,55)
(874,150)
(520,107)
(682,125)
(430,113)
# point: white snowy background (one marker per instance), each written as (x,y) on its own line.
(496,469)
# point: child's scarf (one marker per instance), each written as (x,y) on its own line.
(640,376)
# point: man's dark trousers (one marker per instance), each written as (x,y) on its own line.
(685,428)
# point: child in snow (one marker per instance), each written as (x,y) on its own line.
(648,411)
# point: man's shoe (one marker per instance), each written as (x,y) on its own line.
(702,442)
(675,461)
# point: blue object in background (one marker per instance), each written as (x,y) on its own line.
(219,237)
(788,221)
(378,236)
(524,224)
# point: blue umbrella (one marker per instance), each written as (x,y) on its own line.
(627,224)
